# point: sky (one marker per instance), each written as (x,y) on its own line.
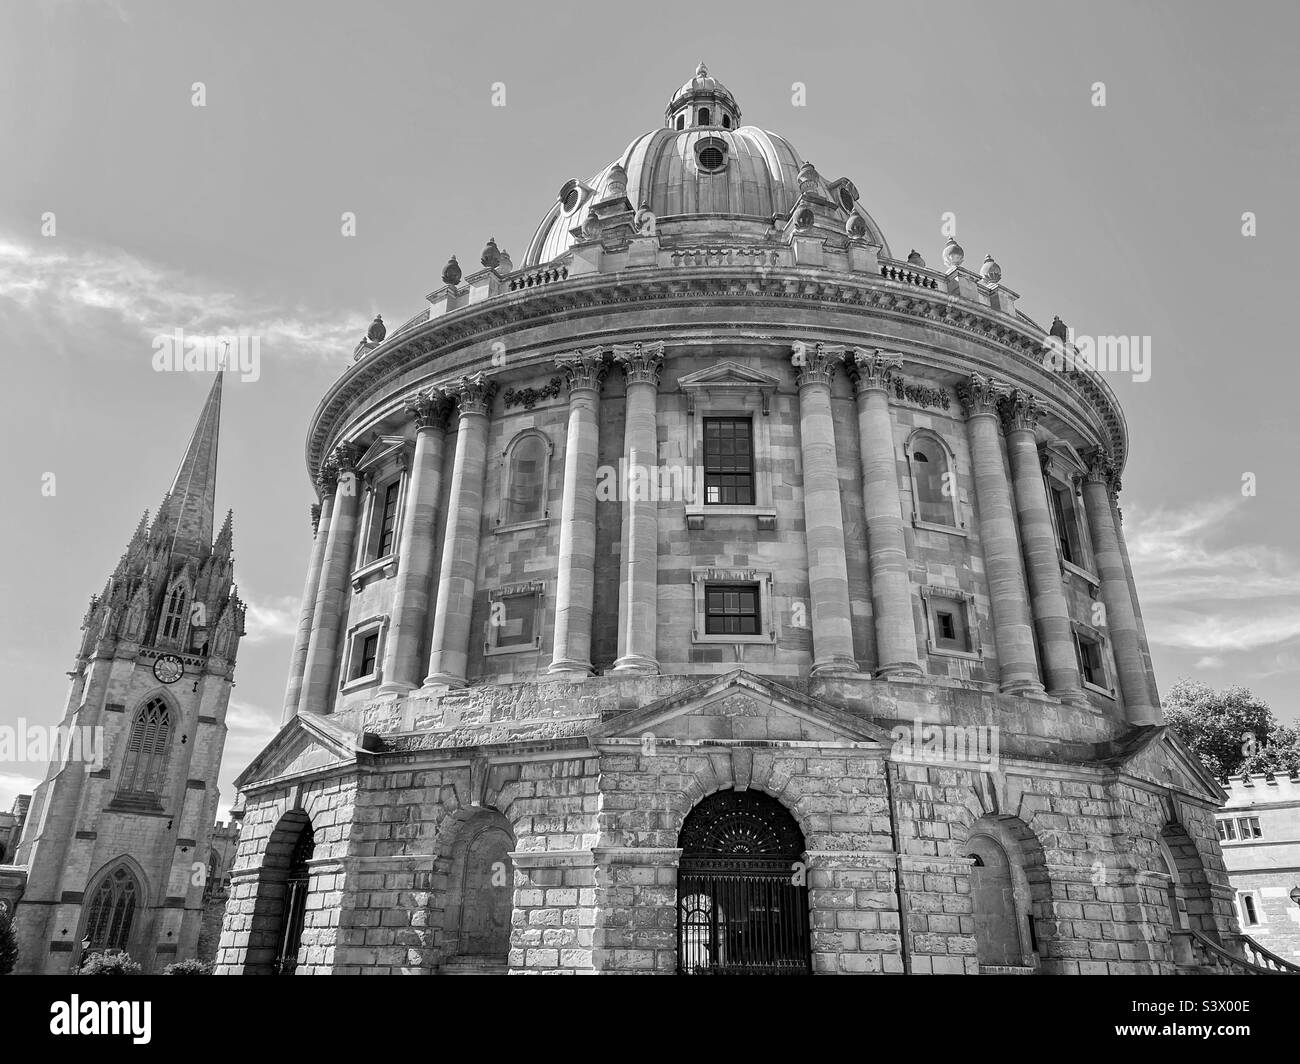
(127,211)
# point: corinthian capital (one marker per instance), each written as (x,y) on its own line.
(1020,411)
(429,409)
(870,368)
(585,369)
(815,363)
(641,362)
(1101,469)
(980,394)
(474,394)
(328,477)
(346,456)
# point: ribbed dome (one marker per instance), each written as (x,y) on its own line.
(744,174)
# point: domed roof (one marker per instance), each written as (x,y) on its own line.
(700,169)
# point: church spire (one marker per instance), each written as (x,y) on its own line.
(187,513)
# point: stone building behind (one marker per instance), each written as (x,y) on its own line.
(720,591)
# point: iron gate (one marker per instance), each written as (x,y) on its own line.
(742,902)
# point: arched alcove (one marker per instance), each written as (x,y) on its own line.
(480,897)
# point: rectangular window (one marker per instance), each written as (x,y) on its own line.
(1067,524)
(1090,662)
(388,520)
(1227,831)
(365,665)
(947,628)
(514,620)
(731,609)
(1249,827)
(728,461)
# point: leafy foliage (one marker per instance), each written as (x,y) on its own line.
(189,967)
(109,964)
(1231,731)
(8,945)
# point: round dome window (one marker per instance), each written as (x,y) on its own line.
(570,196)
(711,156)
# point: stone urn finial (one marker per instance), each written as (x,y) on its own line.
(990,271)
(953,254)
(491,254)
(377,331)
(451,272)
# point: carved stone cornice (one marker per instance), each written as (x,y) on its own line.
(584,369)
(641,362)
(474,394)
(1020,411)
(980,395)
(430,409)
(570,300)
(815,363)
(870,368)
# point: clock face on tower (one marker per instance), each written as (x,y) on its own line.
(169,668)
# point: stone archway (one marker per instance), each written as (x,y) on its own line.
(1011,895)
(480,897)
(1190,896)
(742,906)
(279,908)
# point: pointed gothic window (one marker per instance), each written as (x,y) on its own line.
(112,911)
(145,767)
(174,620)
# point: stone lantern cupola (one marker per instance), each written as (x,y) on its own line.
(702,102)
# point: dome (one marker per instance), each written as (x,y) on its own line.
(700,163)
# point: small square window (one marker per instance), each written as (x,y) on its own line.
(947,627)
(731,609)
(514,618)
(949,614)
(515,621)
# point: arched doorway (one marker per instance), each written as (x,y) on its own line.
(742,895)
(279,912)
(481,897)
(993,901)
(297,886)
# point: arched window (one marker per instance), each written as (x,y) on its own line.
(112,910)
(145,767)
(526,463)
(174,618)
(704,116)
(726,121)
(681,121)
(740,910)
(934,485)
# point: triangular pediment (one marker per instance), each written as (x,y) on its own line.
(728,374)
(382,449)
(307,743)
(739,708)
(1158,754)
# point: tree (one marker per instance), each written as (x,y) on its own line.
(1231,730)
(8,944)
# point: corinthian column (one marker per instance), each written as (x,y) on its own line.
(449,655)
(1121,622)
(403,667)
(1137,605)
(576,579)
(1042,562)
(828,570)
(1012,623)
(331,597)
(298,661)
(891,584)
(638,600)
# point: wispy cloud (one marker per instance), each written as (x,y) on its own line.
(270,619)
(57,280)
(1205,587)
(13,784)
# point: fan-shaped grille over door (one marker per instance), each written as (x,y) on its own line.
(742,895)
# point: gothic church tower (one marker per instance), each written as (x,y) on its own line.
(116,844)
